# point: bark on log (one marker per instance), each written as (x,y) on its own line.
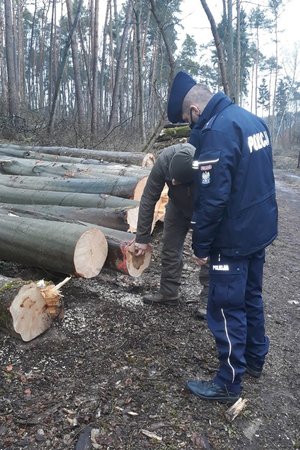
(107,217)
(27,154)
(44,169)
(178,132)
(138,158)
(126,187)
(27,309)
(27,196)
(61,247)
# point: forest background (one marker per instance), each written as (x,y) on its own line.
(96,73)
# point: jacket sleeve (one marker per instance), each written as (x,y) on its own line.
(217,160)
(151,195)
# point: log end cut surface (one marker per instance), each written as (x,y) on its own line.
(29,312)
(139,189)
(136,264)
(90,253)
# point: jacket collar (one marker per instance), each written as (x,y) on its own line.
(216,104)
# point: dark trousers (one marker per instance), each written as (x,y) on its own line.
(235,315)
(176,227)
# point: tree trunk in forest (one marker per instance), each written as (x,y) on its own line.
(137,158)
(103,64)
(219,47)
(125,187)
(61,68)
(76,70)
(11,73)
(95,45)
(116,218)
(119,70)
(165,39)
(142,131)
(44,168)
(27,309)
(61,247)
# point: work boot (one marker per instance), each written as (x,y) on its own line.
(208,390)
(254,372)
(160,299)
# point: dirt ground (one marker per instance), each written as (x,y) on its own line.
(112,373)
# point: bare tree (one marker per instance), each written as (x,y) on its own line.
(76,69)
(219,47)
(61,68)
(9,44)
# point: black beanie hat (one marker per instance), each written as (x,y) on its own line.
(181,165)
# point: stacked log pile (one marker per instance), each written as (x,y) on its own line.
(72,210)
(67,210)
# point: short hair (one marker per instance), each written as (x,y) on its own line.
(199,94)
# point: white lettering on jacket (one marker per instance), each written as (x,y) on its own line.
(258,141)
(220,267)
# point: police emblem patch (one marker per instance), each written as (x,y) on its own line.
(205,179)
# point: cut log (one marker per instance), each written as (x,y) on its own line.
(174,133)
(27,196)
(126,187)
(138,158)
(35,167)
(27,309)
(119,218)
(57,246)
(121,255)
(27,154)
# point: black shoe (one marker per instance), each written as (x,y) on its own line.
(160,299)
(208,390)
(254,372)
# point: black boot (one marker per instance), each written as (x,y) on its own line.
(160,299)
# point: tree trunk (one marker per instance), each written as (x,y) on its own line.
(35,197)
(61,68)
(76,70)
(35,167)
(27,309)
(137,158)
(120,70)
(9,45)
(219,47)
(116,218)
(61,247)
(124,187)
(95,45)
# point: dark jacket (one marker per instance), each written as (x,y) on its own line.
(235,210)
(181,195)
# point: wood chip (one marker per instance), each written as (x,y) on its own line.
(151,435)
(235,409)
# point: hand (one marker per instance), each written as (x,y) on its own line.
(140,249)
(201,261)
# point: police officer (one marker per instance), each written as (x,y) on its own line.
(234,220)
(174,168)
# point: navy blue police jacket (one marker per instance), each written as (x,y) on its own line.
(235,209)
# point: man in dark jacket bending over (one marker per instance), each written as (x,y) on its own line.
(173,167)
(234,220)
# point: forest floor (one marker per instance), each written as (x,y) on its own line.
(112,373)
